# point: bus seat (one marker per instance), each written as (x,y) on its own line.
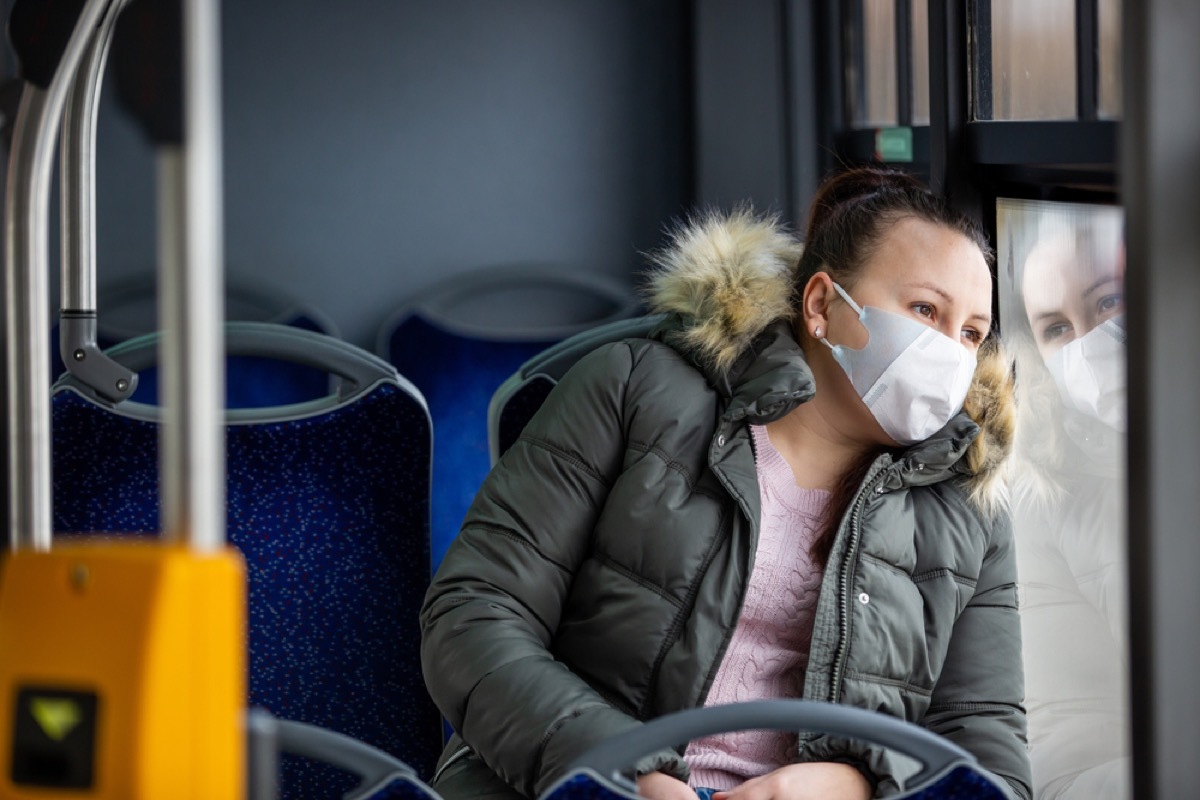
(380,776)
(520,396)
(460,339)
(944,771)
(130,310)
(328,500)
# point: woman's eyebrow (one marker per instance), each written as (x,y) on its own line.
(979,315)
(1041,315)
(1099,283)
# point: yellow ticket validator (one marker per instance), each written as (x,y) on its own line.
(122,673)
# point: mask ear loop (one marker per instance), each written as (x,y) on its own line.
(857,309)
(1114,328)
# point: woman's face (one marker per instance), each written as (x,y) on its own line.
(1068,293)
(926,272)
(929,273)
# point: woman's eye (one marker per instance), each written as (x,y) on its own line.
(1055,331)
(1110,302)
(973,336)
(924,309)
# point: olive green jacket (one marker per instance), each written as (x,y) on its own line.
(601,569)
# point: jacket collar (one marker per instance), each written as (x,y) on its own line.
(763,383)
(767,380)
(939,457)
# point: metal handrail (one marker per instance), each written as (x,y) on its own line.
(26,261)
(78,348)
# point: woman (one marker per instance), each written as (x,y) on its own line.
(1069,499)
(715,514)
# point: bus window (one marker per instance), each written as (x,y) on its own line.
(1109,16)
(920,62)
(1061,292)
(1032,45)
(873,91)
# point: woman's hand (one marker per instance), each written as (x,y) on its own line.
(661,786)
(817,781)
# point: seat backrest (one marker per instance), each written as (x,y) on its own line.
(942,769)
(328,500)
(379,775)
(520,396)
(460,339)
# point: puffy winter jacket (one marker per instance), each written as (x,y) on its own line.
(600,571)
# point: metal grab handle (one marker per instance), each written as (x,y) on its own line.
(373,766)
(77,319)
(357,368)
(50,58)
(267,736)
(615,755)
(87,362)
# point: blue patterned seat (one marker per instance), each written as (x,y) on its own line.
(328,500)
(459,340)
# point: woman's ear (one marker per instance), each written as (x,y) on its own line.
(814,304)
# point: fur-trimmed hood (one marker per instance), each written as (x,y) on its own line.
(728,278)
(724,280)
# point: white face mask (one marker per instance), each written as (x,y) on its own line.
(911,377)
(1090,373)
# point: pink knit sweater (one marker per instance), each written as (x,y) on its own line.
(768,652)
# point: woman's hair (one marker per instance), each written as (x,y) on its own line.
(853,209)
(849,215)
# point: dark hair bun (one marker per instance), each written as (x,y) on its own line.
(853,186)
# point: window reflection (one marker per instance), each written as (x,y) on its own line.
(1061,287)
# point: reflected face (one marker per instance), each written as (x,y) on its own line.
(1069,290)
(929,273)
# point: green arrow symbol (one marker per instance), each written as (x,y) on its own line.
(56,716)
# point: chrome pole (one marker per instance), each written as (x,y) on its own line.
(77,179)
(191,298)
(27,292)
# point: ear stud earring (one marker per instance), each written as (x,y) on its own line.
(817,332)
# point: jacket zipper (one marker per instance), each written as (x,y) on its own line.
(754,523)
(839,660)
(712,671)
(458,754)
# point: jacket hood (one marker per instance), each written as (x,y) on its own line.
(727,278)
(725,282)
